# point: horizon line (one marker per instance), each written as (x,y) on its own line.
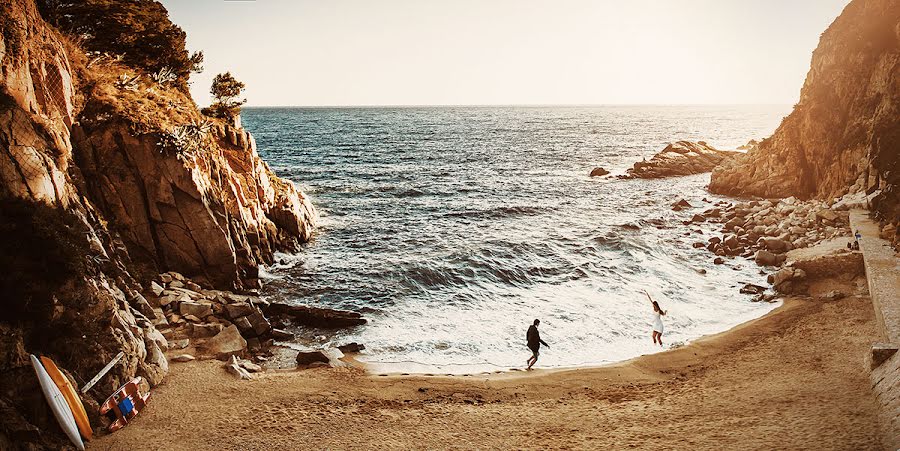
(518,105)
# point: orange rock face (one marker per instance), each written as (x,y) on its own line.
(844,134)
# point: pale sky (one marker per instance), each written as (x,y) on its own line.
(506,52)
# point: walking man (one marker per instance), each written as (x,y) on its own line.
(534,343)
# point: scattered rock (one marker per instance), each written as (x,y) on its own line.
(195,308)
(351,347)
(258,323)
(183,358)
(201,330)
(598,172)
(776,245)
(826,215)
(238,309)
(156,289)
(765,258)
(309,357)
(227,343)
(280,334)
(752,289)
(719,261)
(234,367)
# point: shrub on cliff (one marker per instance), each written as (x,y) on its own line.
(226,91)
(140,30)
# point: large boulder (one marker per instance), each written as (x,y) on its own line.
(227,343)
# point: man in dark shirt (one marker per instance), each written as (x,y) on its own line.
(534,343)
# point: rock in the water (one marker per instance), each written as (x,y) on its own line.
(308,357)
(681,158)
(351,347)
(280,334)
(598,172)
(317,317)
(719,260)
(752,289)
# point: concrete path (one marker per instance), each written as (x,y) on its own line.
(882,272)
(883,275)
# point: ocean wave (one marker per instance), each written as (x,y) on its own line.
(497,212)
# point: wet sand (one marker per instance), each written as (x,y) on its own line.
(793,379)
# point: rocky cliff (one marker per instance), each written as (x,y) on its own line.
(107,176)
(844,133)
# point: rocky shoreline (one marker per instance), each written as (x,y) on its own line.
(239,329)
(766,231)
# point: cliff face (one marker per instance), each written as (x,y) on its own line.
(214,214)
(844,133)
(106,178)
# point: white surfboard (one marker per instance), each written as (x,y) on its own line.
(57,403)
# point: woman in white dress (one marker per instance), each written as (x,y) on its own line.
(658,313)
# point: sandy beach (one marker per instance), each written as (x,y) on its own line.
(788,380)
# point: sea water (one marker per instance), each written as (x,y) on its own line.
(452,228)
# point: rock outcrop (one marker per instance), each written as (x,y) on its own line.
(844,133)
(680,158)
(106,176)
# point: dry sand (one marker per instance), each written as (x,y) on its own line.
(794,379)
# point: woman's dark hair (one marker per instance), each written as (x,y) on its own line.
(536,322)
(656,307)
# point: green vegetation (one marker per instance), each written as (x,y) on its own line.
(139,30)
(226,91)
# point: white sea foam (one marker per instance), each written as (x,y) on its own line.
(451,229)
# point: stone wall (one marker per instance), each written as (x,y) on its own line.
(883,275)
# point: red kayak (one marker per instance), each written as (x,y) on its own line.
(125,403)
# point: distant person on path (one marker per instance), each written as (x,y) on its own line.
(534,343)
(658,313)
